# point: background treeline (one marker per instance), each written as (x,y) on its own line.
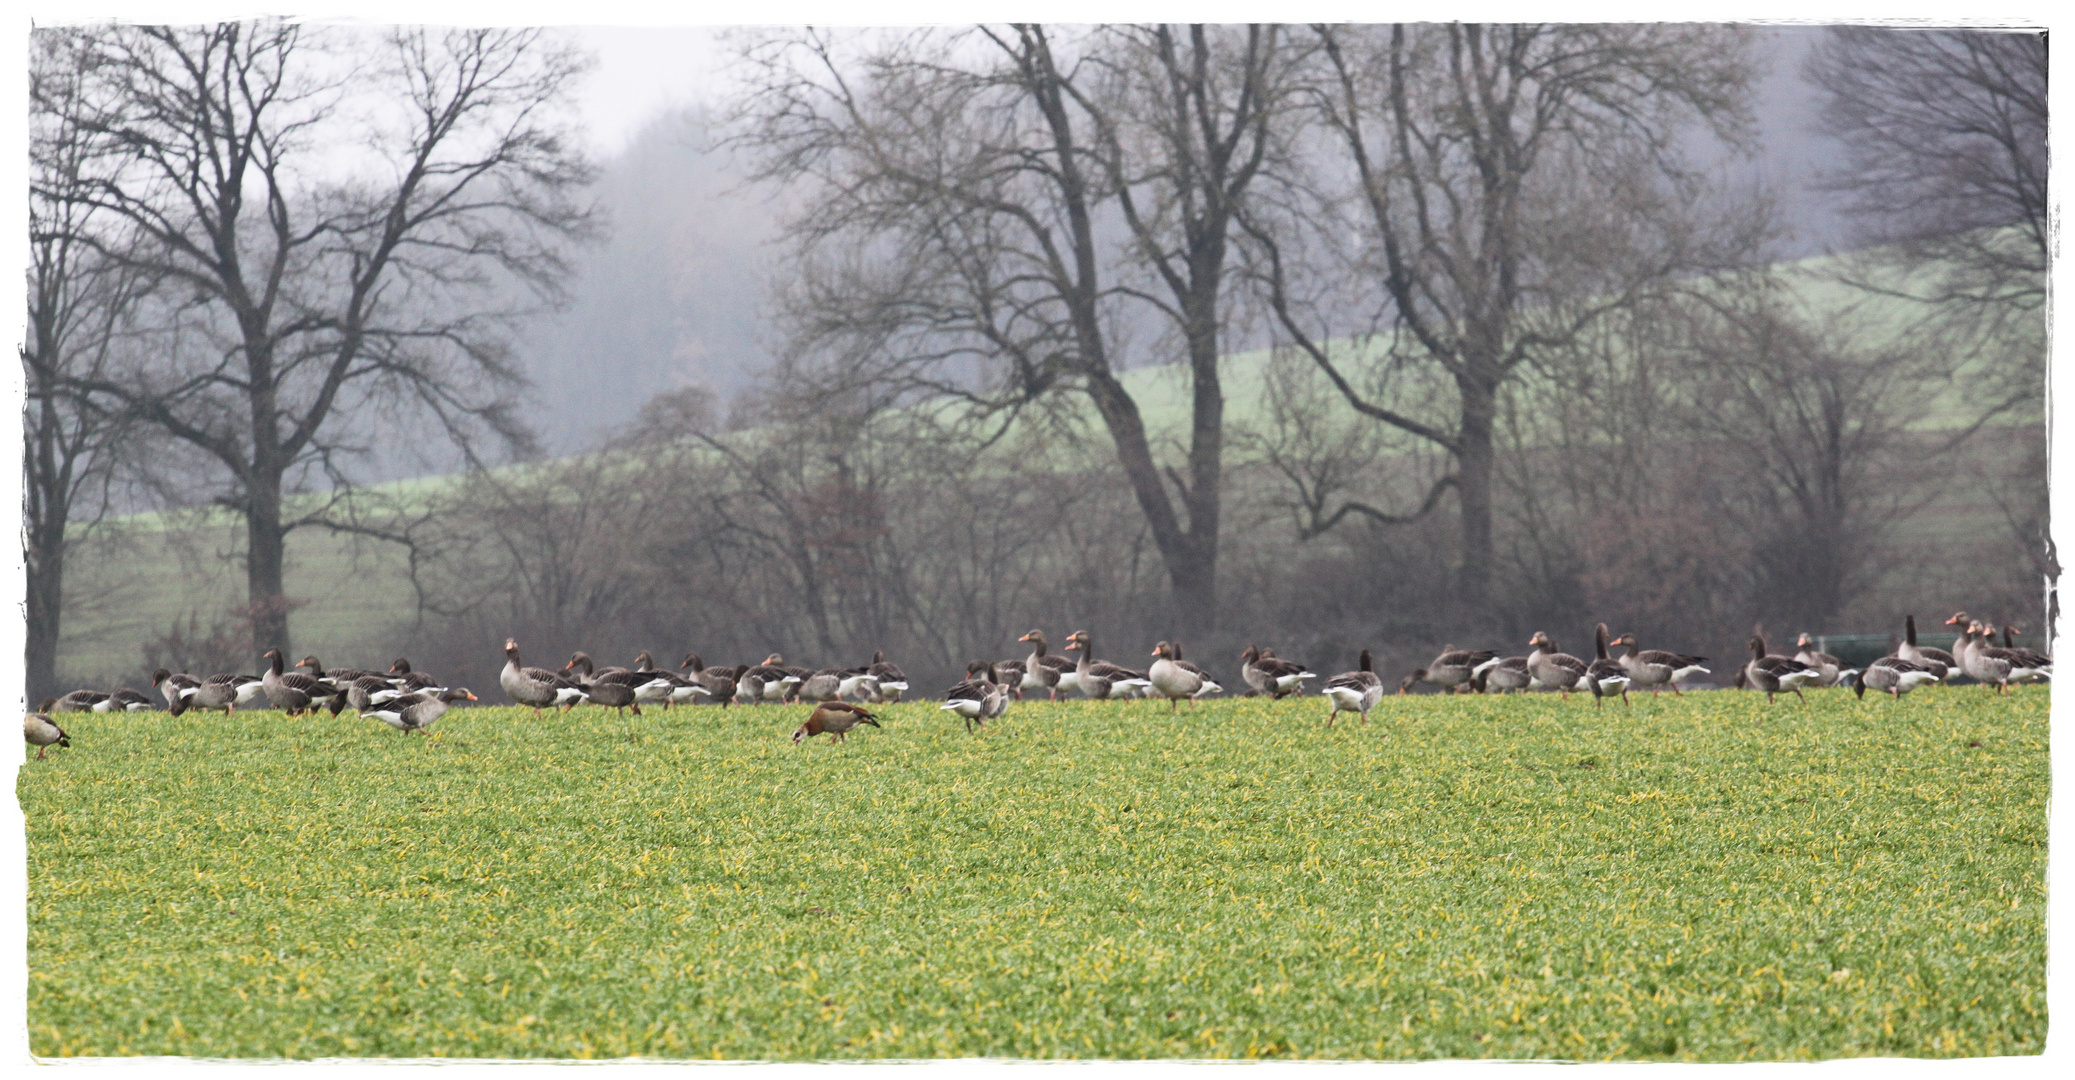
(1322,337)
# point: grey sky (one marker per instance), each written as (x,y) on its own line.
(643,71)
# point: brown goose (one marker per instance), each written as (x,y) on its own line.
(1041,672)
(291,692)
(1500,676)
(719,682)
(225,692)
(1607,676)
(1940,662)
(892,682)
(337,678)
(1656,667)
(823,685)
(77,701)
(42,732)
(175,688)
(979,698)
(360,694)
(1355,691)
(1831,668)
(1176,678)
(416,712)
(774,680)
(665,688)
(834,717)
(1556,670)
(412,682)
(1450,671)
(2027,665)
(1267,673)
(535,687)
(611,687)
(1892,675)
(1777,674)
(1098,679)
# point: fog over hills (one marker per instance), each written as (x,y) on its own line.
(675,295)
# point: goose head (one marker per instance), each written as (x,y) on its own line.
(1405,685)
(1078,640)
(1541,641)
(1251,655)
(1367,664)
(1959,619)
(309,662)
(1165,651)
(773,660)
(691,660)
(1804,641)
(1036,638)
(400,666)
(643,661)
(511,649)
(579,659)
(159,676)
(1628,639)
(1758,645)
(459,693)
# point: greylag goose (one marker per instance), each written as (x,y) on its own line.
(1557,670)
(1267,673)
(224,692)
(1500,676)
(176,689)
(823,685)
(123,700)
(979,697)
(336,678)
(1041,672)
(407,681)
(773,679)
(1176,678)
(1355,691)
(1892,675)
(364,693)
(1959,622)
(859,683)
(1832,669)
(1099,679)
(78,701)
(289,691)
(1776,674)
(2026,665)
(719,682)
(892,683)
(416,712)
(611,687)
(42,732)
(1656,667)
(834,717)
(1940,662)
(1451,670)
(1011,673)
(535,687)
(1607,676)
(1993,665)
(665,688)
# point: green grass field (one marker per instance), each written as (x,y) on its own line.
(1704,878)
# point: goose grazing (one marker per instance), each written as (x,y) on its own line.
(1041,672)
(892,683)
(663,688)
(42,732)
(1270,674)
(823,685)
(1176,678)
(834,717)
(364,693)
(291,692)
(774,680)
(77,701)
(337,678)
(416,712)
(1556,670)
(1777,674)
(176,689)
(1940,662)
(611,687)
(1893,675)
(226,692)
(1500,676)
(979,697)
(1355,691)
(1607,676)
(1656,667)
(123,700)
(1098,679)
(1831,668)
(1450,671)
(535,687)
(719,682)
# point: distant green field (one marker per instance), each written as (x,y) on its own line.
(1705,878)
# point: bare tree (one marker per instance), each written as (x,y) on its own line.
(328,295)
(1503,187)
(975,196)
(80,304)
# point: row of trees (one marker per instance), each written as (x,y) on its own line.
(1527,360)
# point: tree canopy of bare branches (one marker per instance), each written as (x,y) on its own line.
(340,218)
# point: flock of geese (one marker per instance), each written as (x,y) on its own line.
(409,700)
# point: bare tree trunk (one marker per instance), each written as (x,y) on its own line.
(46,610)
(266,548)
(1473,478)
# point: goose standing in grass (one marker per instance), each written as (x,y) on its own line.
(1607,676)
(292,692)
(1450,671)
(892,682)
(1892,675)
(823,685)
(1355,691)
(1176,678)
(123,700)
(611,687)
(1832,669)
(2026,665)
(859,683)
(176,688)
(535,687)
(364,693)
(226,692)
(1656,667)
(337,678)
(774,680)
(42,732)
(1959,623)
(719,682)
(416,712)
(1557,670)
(1267,673)
(834,717)
(1098,680)
(407,681)
(1991,664)
(979,697)
(1501,676)
(1776,674)
(1941,663)
(658,687)
(1041,671)
(77,701)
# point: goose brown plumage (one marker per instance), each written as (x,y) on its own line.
(1941,663)
(291,692)
(1558,671)
(538,688)
(1355,691)
(1776,674)
(834,717)
(42,732)
(1657,667)
(1267,673)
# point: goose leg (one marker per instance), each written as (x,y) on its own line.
(1799,694)
(40,752)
